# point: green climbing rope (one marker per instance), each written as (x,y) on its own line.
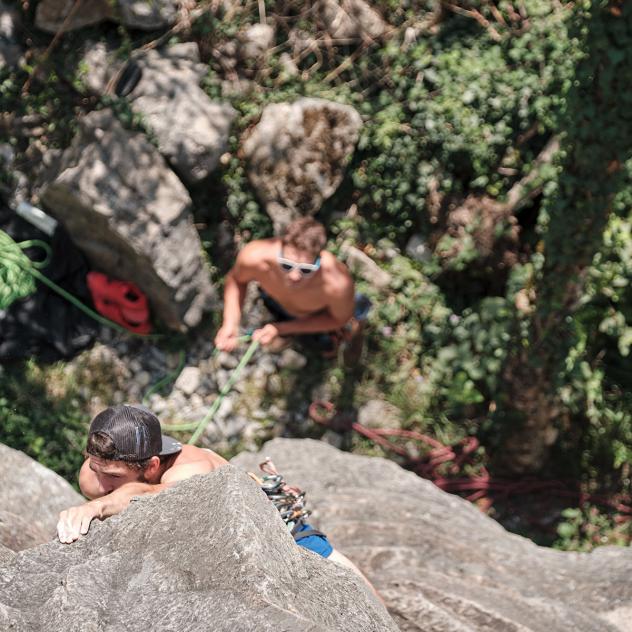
(16,281)
(18,274)
(170,377)
(224,391)
(198,426)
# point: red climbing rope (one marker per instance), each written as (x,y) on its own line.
(443,464)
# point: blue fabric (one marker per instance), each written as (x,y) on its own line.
(317,543)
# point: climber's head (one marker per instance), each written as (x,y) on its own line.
(125,444)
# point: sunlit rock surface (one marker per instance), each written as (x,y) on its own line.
(31,497)
(210,554)
(439,563)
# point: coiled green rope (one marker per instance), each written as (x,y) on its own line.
(18,274)
(16,281)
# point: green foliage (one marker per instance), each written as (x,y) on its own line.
(38,419)
(587,527)
(457,107)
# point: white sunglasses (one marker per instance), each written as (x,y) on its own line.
(306,269)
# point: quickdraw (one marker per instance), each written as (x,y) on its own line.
(289,500)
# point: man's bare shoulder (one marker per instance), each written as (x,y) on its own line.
(254,252)
(336,276)
(190,462)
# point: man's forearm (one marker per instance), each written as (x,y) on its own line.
(75,521)
(114,502)
(234,295)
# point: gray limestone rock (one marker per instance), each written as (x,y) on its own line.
(292,360)
(147,15)
(351,19)
(98,66)
(51,15)
(438,562)
(189,380)
(131,217)
(211,553)
(297,155)
(191,130)
(31,497)
(377,413)
(254,41)
(362,265)
(6,555)
(418,249)
(10,50)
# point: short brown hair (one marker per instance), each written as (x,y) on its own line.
(305,234)
(102,446)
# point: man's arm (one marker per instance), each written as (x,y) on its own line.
(235,286)
(75,521)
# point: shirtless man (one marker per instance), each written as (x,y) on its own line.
(304,286)
(128,456)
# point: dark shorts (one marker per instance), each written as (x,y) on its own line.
(320,341)
(316,543)
(325,341)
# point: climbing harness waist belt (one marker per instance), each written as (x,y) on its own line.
(299,535)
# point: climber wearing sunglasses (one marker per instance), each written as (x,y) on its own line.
(307,290)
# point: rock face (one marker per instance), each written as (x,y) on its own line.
(297,155)
(439,563)
(10,50)
(361,264)
(191,130)
(31,497)
(254,42)
(129,214)
(210,554)
(351,19)
(51,15)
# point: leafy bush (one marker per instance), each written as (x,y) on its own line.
(41,418)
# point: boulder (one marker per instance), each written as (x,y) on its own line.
(377,413)
(297,155)
(130,215)
(361,264)
(438,562)
(211,553)
(31,497)
(147,15)
(190,129)
(10,49)
(254,42)
(351,19)
(52,15)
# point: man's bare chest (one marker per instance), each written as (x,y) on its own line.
(299,301)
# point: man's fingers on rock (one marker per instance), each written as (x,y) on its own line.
(85,525)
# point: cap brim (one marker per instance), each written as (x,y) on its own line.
(169,446)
